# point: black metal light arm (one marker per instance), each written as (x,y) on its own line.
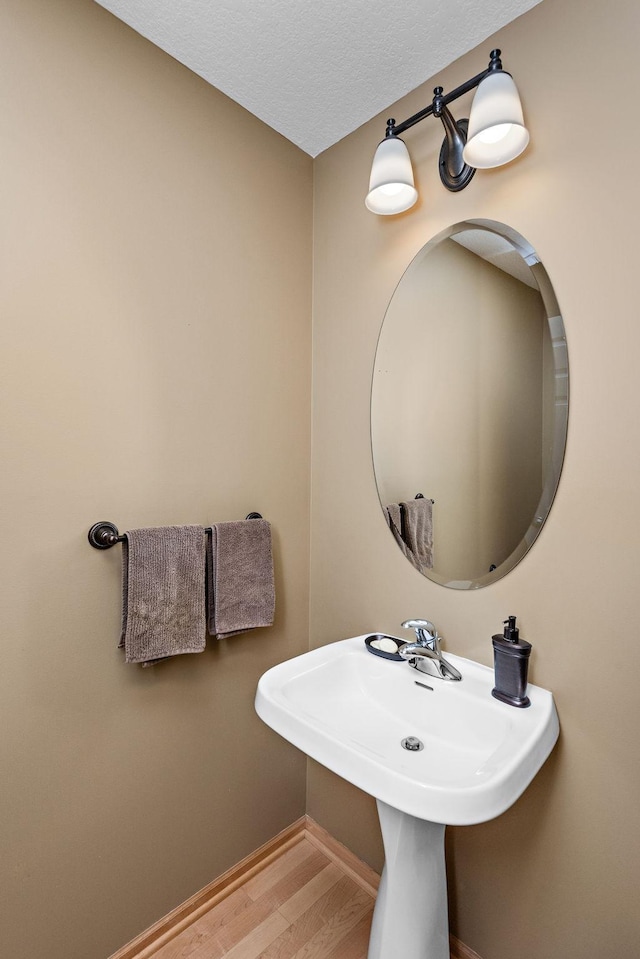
(454,172)
(397,129)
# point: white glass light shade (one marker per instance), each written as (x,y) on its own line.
(391,188)
(496,133)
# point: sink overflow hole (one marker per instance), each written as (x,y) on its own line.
(424,685)
(413,744)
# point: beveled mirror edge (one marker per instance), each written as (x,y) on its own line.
(560,425)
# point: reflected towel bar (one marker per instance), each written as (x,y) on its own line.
(104,535)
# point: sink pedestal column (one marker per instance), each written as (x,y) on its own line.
(410,919)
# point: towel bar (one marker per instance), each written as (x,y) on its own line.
(104,535)
(421,496)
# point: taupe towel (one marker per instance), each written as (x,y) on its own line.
(163,598)
(240,582)
(417,531)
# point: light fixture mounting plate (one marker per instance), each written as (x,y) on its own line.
(462,179)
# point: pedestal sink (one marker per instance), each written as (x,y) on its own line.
(351,711)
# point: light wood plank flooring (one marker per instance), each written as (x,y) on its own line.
(302,905)
(302,895)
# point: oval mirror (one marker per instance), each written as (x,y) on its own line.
(469,404)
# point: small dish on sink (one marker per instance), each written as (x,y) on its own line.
(386,646)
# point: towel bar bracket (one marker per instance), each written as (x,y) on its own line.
(105,535)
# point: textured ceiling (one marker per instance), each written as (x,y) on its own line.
(315,71)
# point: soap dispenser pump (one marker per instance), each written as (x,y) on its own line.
(511,661)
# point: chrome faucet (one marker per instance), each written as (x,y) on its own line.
(425,654)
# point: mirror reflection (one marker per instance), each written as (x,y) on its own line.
(469,404)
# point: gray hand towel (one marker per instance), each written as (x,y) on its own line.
(240,581)
(417,531)
(163,599)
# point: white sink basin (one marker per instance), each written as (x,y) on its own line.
(350,710)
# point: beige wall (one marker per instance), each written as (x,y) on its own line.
(558,874)
(155,310)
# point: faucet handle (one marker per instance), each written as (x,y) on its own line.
(426,633)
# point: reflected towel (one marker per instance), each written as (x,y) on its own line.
(163,599)
(240,580)
(393,515)
(417,531)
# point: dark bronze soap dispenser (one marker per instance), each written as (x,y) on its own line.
(511,662)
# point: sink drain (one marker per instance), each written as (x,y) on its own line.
(413,744)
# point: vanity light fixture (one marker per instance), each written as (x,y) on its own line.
(493,135)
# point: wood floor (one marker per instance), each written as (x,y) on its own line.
(300,906)
(303,895)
